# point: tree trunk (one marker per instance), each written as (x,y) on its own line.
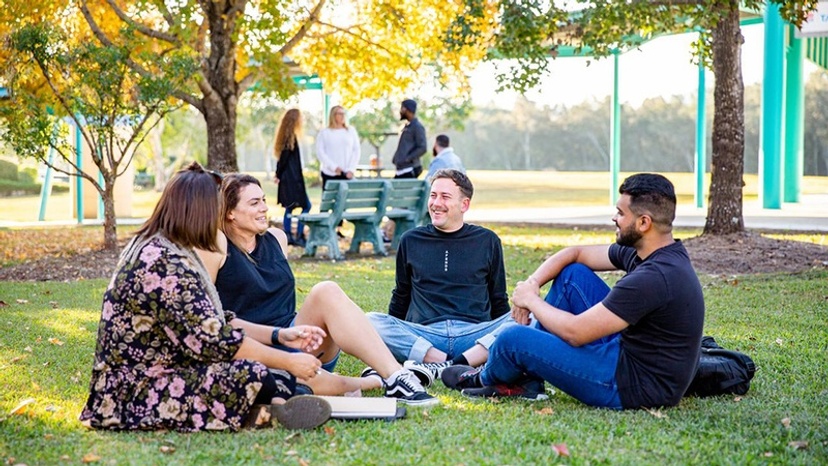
(221,135)
(220,100)
(110,229)
(724,214)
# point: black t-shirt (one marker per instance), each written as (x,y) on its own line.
(662,300)
(263,291)
(441,276)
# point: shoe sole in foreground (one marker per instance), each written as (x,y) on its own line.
(424,402)
(302,412)
(486,392)
(424,375)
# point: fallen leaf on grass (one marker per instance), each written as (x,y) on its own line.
(291,453)
(28,349)
(55,341)
(54,304)
(65,458)
(22,301)
(166,449)
(561,449)
(38,339)
(786,422)
(546,411)
(17,358)
(780,341)
(330,430)
(51,409)
(302,462)
(798,444)
(657,413)
(22,405)
(90,458)
(3,303)
(768,454)
(737,398)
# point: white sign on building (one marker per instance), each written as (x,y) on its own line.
(817,23)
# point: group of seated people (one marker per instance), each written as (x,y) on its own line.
(199,328)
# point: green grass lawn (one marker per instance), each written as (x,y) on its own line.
(493,189)
(48,336)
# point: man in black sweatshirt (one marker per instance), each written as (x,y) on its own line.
(450,298)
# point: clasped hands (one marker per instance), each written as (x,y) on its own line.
(525,294)
(308,339)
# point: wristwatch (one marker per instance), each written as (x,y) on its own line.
(274,337)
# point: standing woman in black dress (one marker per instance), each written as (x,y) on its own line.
(292,192)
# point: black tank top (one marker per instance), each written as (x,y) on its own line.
(263,292)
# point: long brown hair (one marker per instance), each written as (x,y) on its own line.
(188,211)
(289,129)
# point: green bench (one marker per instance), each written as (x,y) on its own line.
(407,206)
(361,202)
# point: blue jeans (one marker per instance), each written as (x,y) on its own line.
(410,341)
(288,218)
(587,372)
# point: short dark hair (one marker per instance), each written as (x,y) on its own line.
(652,194)
(459,178)
(188,211)
(443,140)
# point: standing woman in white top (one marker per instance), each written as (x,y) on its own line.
(337,148)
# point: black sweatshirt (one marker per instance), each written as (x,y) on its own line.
(441,276)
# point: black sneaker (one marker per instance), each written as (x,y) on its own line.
(459,377)
(433,368)
(404,386)
(370,372)
(532,389)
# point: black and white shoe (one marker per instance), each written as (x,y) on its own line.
(406,388)
(434,368)
(423,373)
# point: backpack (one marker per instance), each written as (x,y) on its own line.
(721,371)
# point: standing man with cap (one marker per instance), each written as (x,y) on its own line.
(412,144)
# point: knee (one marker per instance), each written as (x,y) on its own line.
(511,335)
(326,290)
(573,271)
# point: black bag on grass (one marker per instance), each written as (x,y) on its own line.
(721,371)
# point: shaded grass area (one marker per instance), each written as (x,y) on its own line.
(48,338)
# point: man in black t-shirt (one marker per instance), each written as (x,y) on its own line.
(450,298)
(634,346)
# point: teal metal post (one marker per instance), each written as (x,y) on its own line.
(46,189)
(79,179)
(701,138)
(794,117)
(770,161)
(615,133)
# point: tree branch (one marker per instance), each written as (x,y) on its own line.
(106,42)
(143,29)
(300,34)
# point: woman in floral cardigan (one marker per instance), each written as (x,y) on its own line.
(166,358)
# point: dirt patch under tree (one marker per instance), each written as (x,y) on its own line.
(742,253)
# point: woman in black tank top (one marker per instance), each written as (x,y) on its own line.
(259,287)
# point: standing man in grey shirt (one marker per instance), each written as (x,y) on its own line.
(412,144)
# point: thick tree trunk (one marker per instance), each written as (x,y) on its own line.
(221,135)
(221,95)
(724,214)
(110,228)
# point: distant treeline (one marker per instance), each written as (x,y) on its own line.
(657,136)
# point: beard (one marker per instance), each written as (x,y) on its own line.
(402,116)
(628,237)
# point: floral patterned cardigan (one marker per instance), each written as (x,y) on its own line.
(164,356)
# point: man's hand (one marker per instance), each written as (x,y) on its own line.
(526,294)
(349,175)
(304,366)
(307,338)
(521,315)
(275,179)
